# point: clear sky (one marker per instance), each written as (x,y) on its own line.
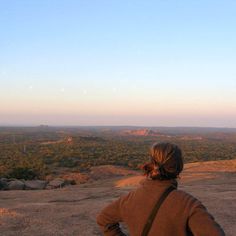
(126,62)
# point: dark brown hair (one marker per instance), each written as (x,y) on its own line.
(166,162)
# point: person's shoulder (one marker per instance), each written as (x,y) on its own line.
(185,197)
(183,193)
(186,202)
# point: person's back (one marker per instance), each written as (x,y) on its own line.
(180,214)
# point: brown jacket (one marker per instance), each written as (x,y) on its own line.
(180,214)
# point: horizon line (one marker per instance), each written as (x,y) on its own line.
(138,126)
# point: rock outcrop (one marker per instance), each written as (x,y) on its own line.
(56,183)
(3,184)
(15,185)
(35,184)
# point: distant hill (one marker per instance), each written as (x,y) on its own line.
(140,132)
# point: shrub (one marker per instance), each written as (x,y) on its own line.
(23,173)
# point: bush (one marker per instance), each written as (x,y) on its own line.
(23,173)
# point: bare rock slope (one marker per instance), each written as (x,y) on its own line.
(72,210)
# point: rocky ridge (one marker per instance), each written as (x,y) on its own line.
(71,211)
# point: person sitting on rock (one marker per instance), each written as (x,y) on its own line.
(157,207)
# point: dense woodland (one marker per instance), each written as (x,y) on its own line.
(34,152)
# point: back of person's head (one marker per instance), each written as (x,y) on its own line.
(166,162)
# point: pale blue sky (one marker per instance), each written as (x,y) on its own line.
(118,62)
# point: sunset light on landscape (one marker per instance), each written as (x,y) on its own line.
(117,117)
(149,63)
